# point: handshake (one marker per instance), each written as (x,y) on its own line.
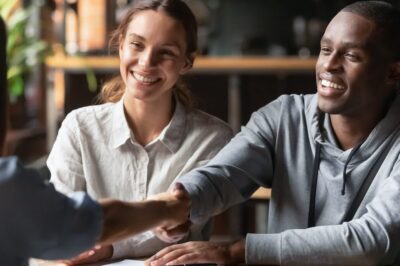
(167,212)
(175,224)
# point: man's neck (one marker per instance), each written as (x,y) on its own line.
(352,129)
(350,132)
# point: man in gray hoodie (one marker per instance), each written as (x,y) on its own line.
(331,159)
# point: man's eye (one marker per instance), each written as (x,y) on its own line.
(351,56)
(325,50)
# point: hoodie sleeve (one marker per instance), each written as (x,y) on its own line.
(36,221)
(371,239)
(242,166)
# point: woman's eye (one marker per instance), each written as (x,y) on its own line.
(167,53)
(136,45)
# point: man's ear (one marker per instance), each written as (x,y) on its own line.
(188,64)
(394,73)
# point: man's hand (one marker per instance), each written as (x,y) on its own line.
(177,207)
(173,235)
(200,252)
(167,210)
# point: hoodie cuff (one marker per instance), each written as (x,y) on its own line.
(263,249)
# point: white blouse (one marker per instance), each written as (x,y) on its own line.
(95,151)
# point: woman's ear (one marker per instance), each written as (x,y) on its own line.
(188,64)
(120,43)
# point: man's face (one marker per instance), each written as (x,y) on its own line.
(352,67)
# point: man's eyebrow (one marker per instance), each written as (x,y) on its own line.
(346,44)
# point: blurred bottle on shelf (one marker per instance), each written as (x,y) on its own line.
(121,9)
(71,27)
(96,20)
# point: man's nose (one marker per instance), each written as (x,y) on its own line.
(332,62)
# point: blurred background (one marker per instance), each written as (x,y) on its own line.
(250,52)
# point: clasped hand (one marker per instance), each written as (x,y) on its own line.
(177,225)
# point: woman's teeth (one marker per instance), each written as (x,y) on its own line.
(330,84)
(144,79)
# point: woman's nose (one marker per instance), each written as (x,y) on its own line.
(146,58)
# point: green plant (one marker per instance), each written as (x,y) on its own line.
(24,49)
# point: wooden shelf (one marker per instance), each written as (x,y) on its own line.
(207,64)
(261,194)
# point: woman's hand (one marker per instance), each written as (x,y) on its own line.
(200,252)
(98,253)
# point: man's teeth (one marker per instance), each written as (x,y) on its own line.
(144,79)
(327,83)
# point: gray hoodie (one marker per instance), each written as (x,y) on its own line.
(357,200)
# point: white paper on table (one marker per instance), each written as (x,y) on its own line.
(126,263)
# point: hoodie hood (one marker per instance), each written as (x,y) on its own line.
(341,163)
(321,131)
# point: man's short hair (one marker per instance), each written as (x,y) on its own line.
(387,19)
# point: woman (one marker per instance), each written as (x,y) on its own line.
(146,134)
(60,226)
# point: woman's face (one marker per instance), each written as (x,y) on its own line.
(152,56)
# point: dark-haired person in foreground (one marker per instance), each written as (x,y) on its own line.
(331,159)
(36,221)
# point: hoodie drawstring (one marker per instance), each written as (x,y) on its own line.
(355,149)
(313,192)
(311,211)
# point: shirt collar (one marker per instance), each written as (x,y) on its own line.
(120,128)
(173,134)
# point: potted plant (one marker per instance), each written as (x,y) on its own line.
(24,50)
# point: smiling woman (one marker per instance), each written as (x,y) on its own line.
(146,134)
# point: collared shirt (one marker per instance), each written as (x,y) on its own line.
(37,221)
(97,152)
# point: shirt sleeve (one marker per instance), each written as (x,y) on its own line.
(37,221)
(65,160)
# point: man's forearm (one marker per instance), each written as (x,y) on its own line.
(122,219)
